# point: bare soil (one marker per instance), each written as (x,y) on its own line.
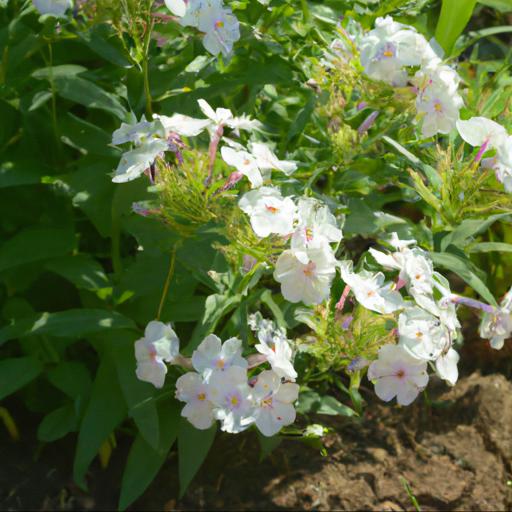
(455,454)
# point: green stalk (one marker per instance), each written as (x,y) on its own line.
(167,283)
(145,64)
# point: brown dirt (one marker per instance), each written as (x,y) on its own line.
(455,455)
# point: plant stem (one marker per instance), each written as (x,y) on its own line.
(165,291)
(145,66)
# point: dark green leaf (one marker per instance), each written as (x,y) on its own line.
(144,461)
(193,447)
(105,411)
(57,424)
(74,323)
(16,373)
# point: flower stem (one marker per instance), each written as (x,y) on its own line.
(167,283)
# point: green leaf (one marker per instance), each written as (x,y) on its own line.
(462,268)
(193,447)
(72,378)
(455,15)
(35,244)
(105,411)
(469,228)
(310,402)
(144,461)
(268,444)
(57,424)
(74,323)
(81,270)
(103,40)
(491,247)
(138,395)
(65,70)
(499,5)
(216,307)
(21,172)
(16,373)
(87,93)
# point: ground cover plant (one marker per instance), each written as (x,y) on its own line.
(229,216)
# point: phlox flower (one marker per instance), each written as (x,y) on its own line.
(396,373)
(273,402)
(244,163)
(497,326)
(222,117)
(274,345)
(307,282)
(370,290)
(231,397)
(220,26)
(56,8)
(482,132)
(158,346)
(182,125)
(191,388)
(389,47)
(422,334)
(133,163)
(212,355)
(269,211)
(267,160)
(446,366)
(316,228)
(138,132)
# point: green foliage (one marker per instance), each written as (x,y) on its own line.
(81,274)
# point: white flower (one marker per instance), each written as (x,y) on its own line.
(418,272)
(274,403)
(275,347)
(221,117)
(191,389)
(177,7)
(221,28)
(438,102)
(316,228)
(370,290)
(422,334)
(268,160)
(137,132)
(397,373)
(480,131)
(183,125)
(389,47)
(497,326)
(57,8)
(212,355)
(269,211)
(133,163)
(446,366)
(158,346)
(230,395)
(244,163)
(307,282)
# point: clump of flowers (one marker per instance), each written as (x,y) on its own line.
(399,288)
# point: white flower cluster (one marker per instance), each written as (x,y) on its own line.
(151,139)
(307,269)
(390,48)
(427,325)
(217,22)
(489,135)
(220,388)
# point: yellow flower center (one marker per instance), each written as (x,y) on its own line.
(201,396)
(388,53)
(234,401)
(219,24)
(220,364)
